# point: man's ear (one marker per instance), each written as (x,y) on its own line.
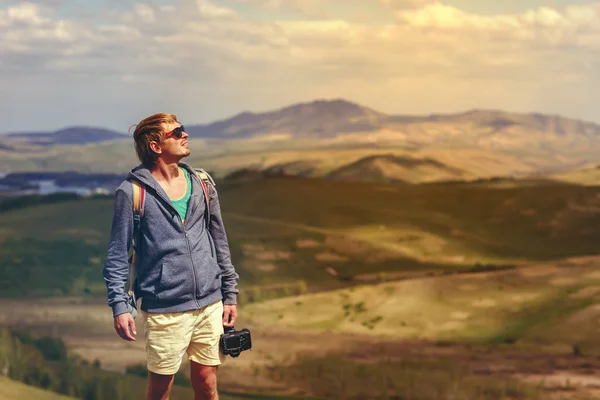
(155,147)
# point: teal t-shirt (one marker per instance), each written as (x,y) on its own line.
(181,204)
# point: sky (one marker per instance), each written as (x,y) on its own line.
(110,63)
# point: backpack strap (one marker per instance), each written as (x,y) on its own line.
(139,193)
(205,180)
(139,196)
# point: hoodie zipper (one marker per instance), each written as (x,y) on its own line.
(187,239)
(193,269)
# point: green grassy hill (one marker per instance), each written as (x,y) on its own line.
(552,306)
(36,364)
(324,233)
(436,223)
(13,390)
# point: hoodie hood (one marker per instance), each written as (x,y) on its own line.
(144,175)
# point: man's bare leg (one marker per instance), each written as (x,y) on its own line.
(204,381)
(159,386)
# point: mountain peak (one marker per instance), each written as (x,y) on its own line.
(317,118)
(339,107)
(69,135)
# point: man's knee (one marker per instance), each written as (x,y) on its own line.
(206,389)
(159,386)
(204,380)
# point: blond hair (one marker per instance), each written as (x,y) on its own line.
(150,130)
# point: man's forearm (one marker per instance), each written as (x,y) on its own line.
(116,267)
(229,282)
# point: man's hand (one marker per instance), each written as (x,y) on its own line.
(229,315)
(122,324)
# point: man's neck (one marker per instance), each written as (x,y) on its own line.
(164,172)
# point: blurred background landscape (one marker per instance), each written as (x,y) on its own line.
(411,191)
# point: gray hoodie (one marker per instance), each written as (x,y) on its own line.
(180,266)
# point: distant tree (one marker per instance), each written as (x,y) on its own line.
(52,348)
(137,370)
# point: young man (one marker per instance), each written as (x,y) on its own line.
(184,273)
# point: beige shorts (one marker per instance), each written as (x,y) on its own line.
(196,332)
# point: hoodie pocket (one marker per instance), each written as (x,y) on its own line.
(208,273)
(176,279)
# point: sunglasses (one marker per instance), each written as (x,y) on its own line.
(177,132)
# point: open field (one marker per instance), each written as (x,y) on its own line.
(485,330)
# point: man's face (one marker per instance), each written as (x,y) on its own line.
(174,147)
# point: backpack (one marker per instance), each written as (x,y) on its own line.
(139,195)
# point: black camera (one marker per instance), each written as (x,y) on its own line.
(234,342)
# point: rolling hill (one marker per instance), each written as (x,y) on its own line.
(325,233)
(387,267)
(391,168)
(588,175)
(332,136)
(547,305)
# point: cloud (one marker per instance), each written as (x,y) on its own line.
(428,57)
(208,9)
(404,4)
(312,9)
